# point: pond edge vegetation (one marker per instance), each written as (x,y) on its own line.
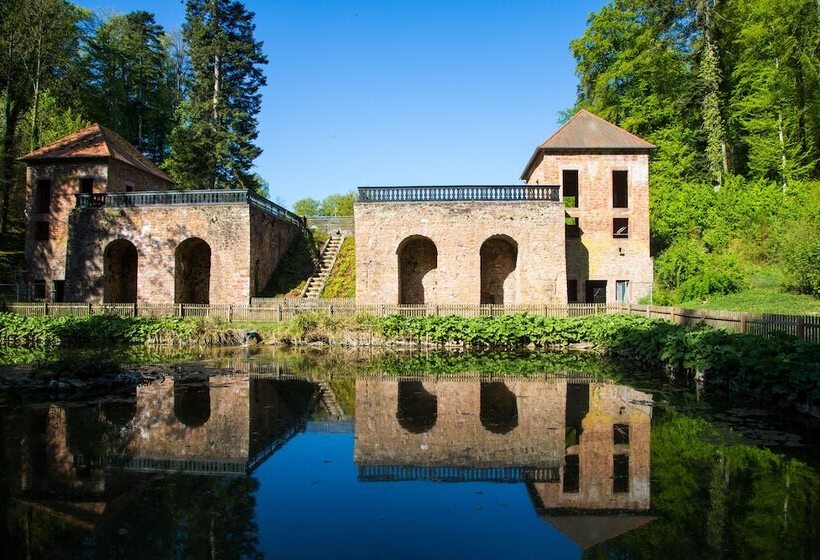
(782,371)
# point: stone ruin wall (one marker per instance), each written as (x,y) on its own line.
(458,230)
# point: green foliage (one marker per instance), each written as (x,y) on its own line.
(779,370)
(342,280)
(306,207)
(801,257)
(331,205)
(686,271)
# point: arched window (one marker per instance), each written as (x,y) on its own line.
(499,257)
(499,408)
(418,257)
(120,272)
(192,272)
(192,402)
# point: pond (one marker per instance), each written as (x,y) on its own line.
(261,454)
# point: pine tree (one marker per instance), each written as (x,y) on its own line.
(213,144)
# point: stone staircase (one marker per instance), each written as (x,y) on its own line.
(330,402)
(316,283)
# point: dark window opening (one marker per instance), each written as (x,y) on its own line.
(620,189)
(86,185)
(620,227)
(620,474)
(620,434)
(572,291)
(41,231)
(43,196)
(38,290)
(572,227)
(58,287)
(596,291)
(570,185)
(572,474)
(129,188)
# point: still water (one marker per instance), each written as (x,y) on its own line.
(265,456)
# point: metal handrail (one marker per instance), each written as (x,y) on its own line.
(457,193)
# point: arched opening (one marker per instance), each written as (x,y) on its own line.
(417,409)
(120,411)
(499,257)
(192,272)
(120,272)
(192,402)
(499,408)
(418,256)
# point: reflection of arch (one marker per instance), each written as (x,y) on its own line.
(499,256)
(192,402)
(417,256)
(120,412)
(417,409)
(192,271)
(120,272)
(499,408)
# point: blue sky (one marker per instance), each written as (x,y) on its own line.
(401,92)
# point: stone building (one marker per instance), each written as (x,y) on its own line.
(104,225)
(576,231)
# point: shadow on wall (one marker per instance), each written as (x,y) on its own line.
(418,258)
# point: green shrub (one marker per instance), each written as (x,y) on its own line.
(801,259)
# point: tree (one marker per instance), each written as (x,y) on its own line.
(212,145)
(337,205)
(306,207)
(131,89)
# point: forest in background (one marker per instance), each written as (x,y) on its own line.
(187,99)
(729,91)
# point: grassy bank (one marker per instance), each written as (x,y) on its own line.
(782,370)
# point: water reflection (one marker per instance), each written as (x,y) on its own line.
(241,464)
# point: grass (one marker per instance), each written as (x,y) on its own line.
(342,280)
(295,268)
(766,294)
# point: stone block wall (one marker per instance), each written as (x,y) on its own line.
(597,255)
(156,232)
(458,230)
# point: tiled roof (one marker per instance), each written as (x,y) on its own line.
(585,131)
(92,142)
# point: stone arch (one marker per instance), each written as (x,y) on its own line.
(417,409)
(120,263)
(499,259)
(192,271)
(418,257)
(192,401)
(499,408)
(120,411)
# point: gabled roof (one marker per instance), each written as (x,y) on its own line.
(95,142)
(585,131)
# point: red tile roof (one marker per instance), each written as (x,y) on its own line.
(95,142)
(585,131)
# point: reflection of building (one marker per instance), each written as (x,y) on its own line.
(581,447)
(79,463)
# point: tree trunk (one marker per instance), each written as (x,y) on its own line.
(35,132)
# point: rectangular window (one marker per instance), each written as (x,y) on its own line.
(570,186)
(129,188)
(42,196)
(58,289)
(620,434)
(622,291)
(596,291)
(572,474)
(620,474)
(41,231)
(86,185)
(572,227)
(620,189)
(572,291)
(620,227)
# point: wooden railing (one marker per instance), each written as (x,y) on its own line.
(219,197)
(806,327)
(460,193)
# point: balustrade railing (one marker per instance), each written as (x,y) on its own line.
(186,198)
(460,193)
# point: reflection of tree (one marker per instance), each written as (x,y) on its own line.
(715,500)
(185,517)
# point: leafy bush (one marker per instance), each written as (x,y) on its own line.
(801,256)
(686,271)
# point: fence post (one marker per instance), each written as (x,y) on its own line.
(45,309)
(179,311)
(281,312)
(672,317)
(330,310)
(90,309)
(230,312)
(135,309)
(801,327)
(744,323)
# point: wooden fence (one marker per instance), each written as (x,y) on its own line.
(267,310)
